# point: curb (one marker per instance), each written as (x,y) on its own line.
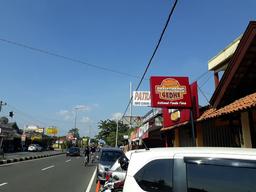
(6,161)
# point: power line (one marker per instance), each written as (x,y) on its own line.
(201,91)
(154,52)
(66,58)
(201,76)
(30,117)
(207,79)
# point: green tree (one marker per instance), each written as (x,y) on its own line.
(107,131)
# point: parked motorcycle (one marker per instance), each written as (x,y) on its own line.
(115,179)
(113,185)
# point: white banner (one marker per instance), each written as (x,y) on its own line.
(141,98)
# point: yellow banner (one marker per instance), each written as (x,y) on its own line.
(51,131)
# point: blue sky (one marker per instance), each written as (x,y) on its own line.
(119,35)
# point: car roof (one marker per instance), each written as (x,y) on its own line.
(211,150)
(142,157)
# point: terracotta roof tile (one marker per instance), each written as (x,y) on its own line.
(244,103)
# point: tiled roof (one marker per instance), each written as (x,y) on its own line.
(244,103)
(174,126)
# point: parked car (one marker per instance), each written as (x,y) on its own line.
(34,148)
(116,169)
(192,169)
(107,158)
(73,151)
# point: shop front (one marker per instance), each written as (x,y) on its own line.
(179,128)
(231,119)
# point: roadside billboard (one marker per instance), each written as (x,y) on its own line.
(39,130)
(170,92)
(141,98)
(51,131)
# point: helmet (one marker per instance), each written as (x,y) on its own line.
(124,162)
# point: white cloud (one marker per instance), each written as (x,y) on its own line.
(63,112)
(70,114)
(116,116)
(67,115)
(86,120)
(96,105)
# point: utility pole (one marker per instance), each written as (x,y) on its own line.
(131,105)
(116,131)
(75,116)
(1,138)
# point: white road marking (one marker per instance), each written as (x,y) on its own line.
(68,160)
(91,181)
(47,168)
(77,157)
(2,184)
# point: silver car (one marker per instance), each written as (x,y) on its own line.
(107,158)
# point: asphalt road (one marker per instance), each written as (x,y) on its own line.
(51,174)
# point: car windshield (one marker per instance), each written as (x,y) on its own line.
(73,149)
(110,156)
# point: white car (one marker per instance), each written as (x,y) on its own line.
(192,170)
(34,147)
(116,171)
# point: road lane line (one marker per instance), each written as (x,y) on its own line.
(68,160)
(77,157)
(91,181)
(47,168)
(2,184)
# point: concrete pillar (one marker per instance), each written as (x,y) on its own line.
(246,130)
(177,138)
(199,133)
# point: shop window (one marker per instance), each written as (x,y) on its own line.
(156,176)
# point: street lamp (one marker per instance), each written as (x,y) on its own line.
(75,115)
(76,110)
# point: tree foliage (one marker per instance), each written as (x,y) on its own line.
(107,131)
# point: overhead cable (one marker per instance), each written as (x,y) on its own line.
(67,58)
(154,52)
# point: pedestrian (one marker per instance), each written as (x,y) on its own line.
(87,153)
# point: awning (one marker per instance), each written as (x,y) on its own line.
(242,104)
(174,126)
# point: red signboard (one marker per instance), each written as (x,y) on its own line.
(173,117)
(170,92)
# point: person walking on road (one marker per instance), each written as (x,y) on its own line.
(87,154)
